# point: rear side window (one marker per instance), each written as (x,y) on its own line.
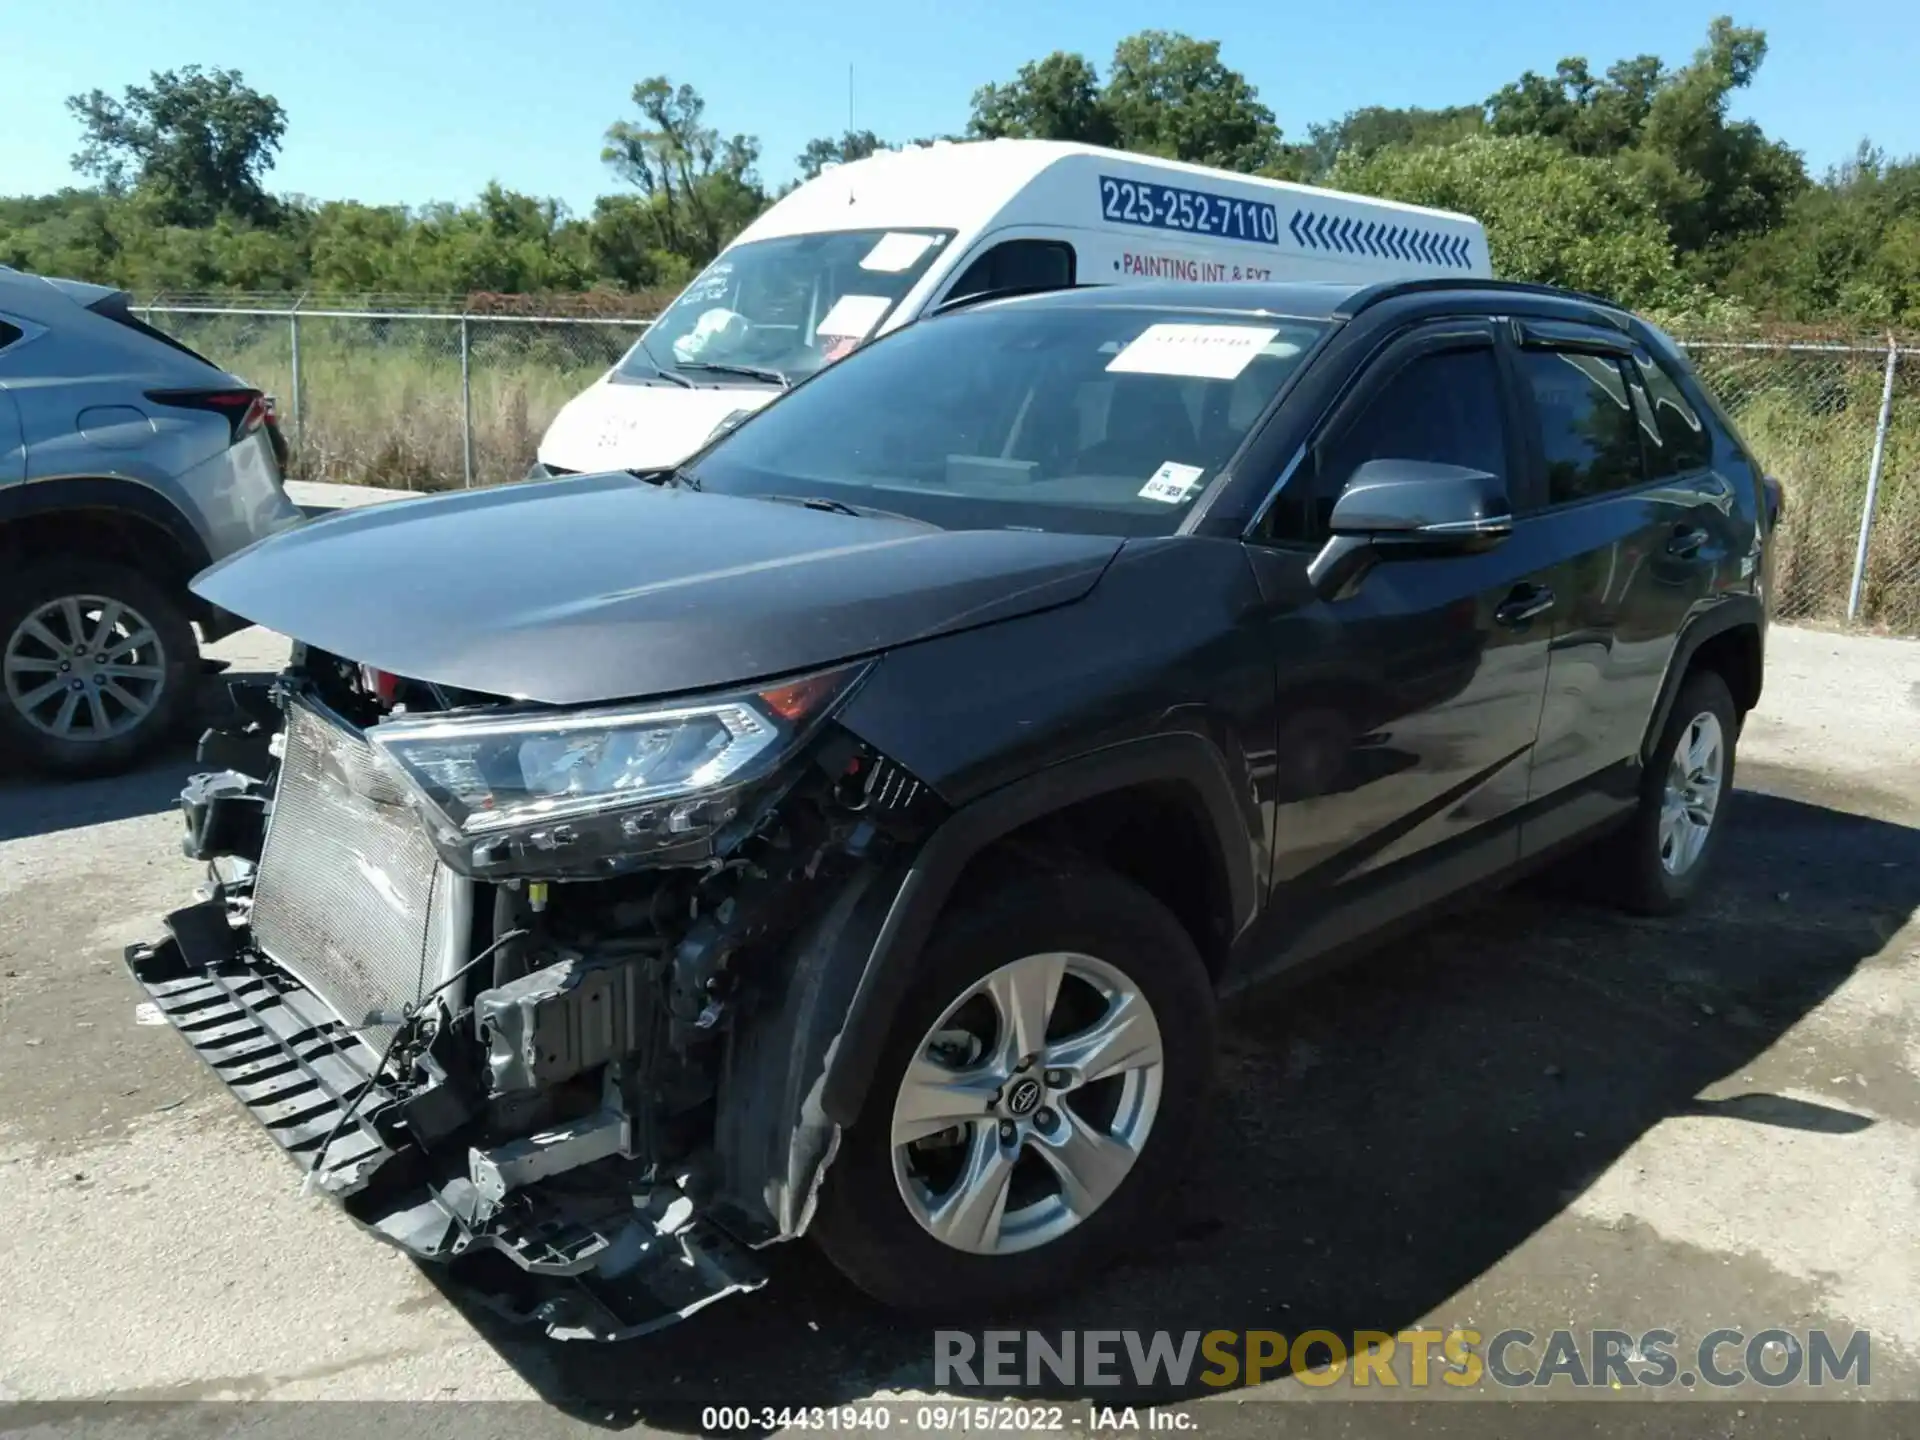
(1589,435)
(1678,439)
(1443,407)
(8,334)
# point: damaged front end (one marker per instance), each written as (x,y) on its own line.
(542,995)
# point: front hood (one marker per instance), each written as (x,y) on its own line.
(603,587)
(618,426)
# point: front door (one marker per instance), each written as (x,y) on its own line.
(1408,708)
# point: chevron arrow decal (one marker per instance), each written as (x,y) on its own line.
(1351,235)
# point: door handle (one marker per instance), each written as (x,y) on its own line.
(1686,541)
(1523,603)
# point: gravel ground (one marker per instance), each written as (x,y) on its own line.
(1535,1115)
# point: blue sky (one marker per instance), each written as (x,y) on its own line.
(416,100)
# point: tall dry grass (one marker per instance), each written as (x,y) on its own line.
(380,400)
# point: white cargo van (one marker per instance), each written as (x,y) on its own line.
(869,246)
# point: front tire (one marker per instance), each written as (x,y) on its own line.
(98,665)
(1029,1116)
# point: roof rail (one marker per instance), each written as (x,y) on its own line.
(1390,289)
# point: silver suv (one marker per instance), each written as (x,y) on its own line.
(128,464)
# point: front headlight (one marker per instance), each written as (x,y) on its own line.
(548,792)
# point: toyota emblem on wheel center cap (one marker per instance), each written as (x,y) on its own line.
(1024,1097)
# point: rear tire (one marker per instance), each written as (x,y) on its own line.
(1068,1199)
(95,701)
(1658,861)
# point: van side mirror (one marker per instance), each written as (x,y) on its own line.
(1402,509)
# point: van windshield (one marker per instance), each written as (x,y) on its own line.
(784,307)
(1107,418)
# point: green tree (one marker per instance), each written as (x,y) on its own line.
(200,141)
(1165,94)
(1171,95)
(1364,132)
(1057,98)
(1849,246)
(1551,216)
(624,237)
(1715,180)
(826,150)
(701,188)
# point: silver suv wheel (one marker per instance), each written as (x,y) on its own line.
(1692,795)
(84,667)
(1027,1103)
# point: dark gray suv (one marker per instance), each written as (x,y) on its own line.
(848,831)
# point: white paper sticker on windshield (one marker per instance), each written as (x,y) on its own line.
(711,283)
(853,315)
(1172,483)
(1208,352)
(896,251)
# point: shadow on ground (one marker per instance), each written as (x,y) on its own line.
(41,805)
(1381,1136)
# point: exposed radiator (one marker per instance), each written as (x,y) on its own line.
(350,896)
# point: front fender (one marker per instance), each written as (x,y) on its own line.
(1184,758)
(800,1068)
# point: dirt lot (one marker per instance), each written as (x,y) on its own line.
(1536,1115)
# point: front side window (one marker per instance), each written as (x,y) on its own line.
(1443,407)
(1108,418)
(1590,437)
(1017,265)
(783,307)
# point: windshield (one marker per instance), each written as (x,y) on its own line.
(785,307)
(1108,419)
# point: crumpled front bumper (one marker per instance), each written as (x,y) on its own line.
(603,1262)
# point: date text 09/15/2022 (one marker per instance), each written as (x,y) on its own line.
(943,1417)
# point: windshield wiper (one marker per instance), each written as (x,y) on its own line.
(840,507)
(752,372)
(660,370)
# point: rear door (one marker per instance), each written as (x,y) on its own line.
(1619,511)
(1406,709)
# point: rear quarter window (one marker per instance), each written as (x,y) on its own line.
(114,308)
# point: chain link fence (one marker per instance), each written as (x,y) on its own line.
(411,397)
(420,396)
(1838,424)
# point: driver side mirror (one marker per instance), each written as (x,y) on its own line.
(1402,509)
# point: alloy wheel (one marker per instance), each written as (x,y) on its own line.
(84,667)
(1027,1103)
(1692,795)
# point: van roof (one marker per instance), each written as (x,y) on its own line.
(963,185)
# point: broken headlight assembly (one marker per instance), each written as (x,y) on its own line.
(546,793)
